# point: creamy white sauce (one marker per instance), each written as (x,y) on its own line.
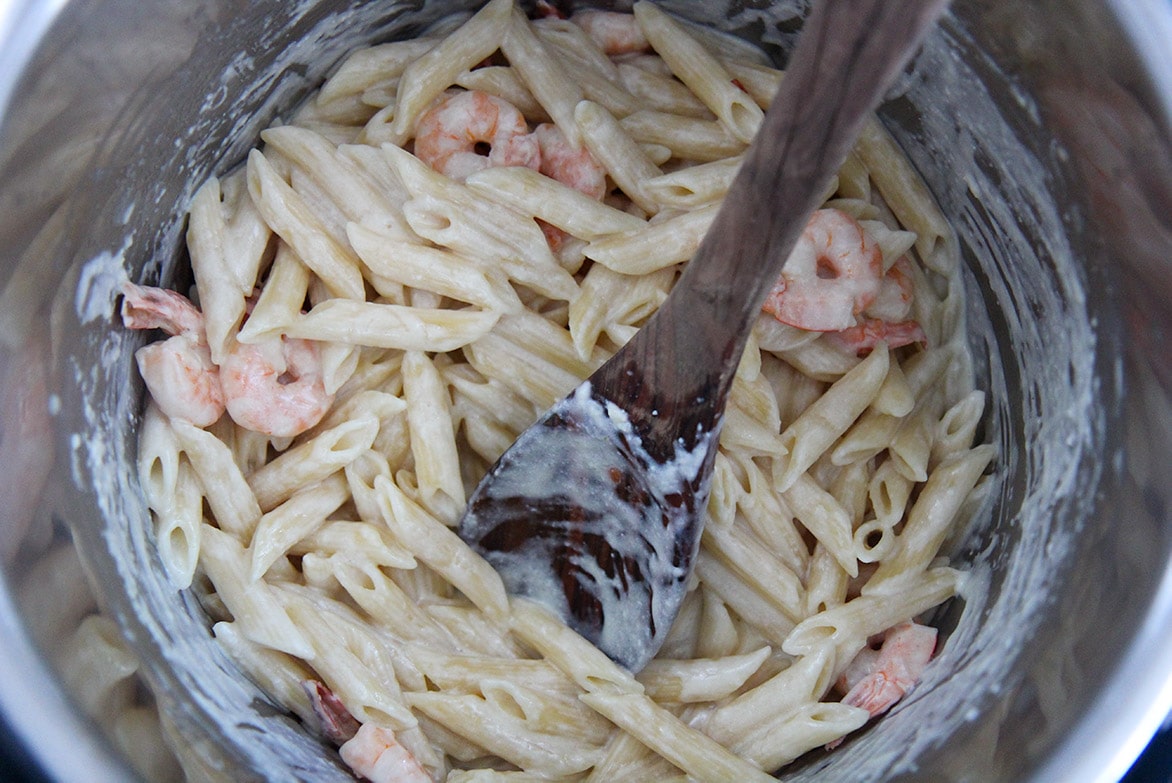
(590,477)
(962,130)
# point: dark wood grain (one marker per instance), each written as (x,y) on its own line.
(681,364)
(673,377)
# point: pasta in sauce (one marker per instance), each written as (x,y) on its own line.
(448,237)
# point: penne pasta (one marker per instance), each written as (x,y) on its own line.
(292,219)
(444,313)
(700,71)
(424,78)
(392,326)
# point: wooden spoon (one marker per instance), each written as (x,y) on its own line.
(596,511)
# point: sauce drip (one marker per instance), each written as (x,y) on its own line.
(579,517)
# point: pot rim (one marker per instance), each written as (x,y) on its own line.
(1101,746)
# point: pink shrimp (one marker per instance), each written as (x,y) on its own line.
(893,303)
(375,754)
(547,10)
(613,31)
(862,339)
(877,679)
(335,721)
(572,166)
(834,273)
(468,131)
(275,388)
(886,319)
(179,372)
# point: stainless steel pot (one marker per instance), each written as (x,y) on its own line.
(1044,130)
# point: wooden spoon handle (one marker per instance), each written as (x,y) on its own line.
(848,53)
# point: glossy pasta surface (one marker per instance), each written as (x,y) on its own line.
(432,309)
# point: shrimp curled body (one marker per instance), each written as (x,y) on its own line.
(833,274)
(178,371)
(613,32)
(469,131)
(281,396)
(376,755)
(574,167)
(876,680)
(275,388)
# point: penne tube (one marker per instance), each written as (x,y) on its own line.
(742,552)
(504,83)
(903,191)
(312,460)
(358,197)
(425,78)
(303,513)
(698,755)
(848,626)
(765,617)
(931,518)
(622,156)
(254,605)
(825,518)
(434,543)
(365,68)
(812,725)
(606,298)
(503,734)
(958,426)
(662,93)
(433,436)
(543,74)
(577,658)
(535,194)
(279,675)
(177,528)
(696,185)
(826,582)
(228,495)
(213,250)
(701,679)
(292,219)
(661,244)
(806,679)
(700,71)
(281,299)
(686,137)
(392,326)
(824,422)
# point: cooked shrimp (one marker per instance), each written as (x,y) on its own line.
(834,273)
(179,372)
(894,300)
(885,319)
(546,10)
(275,388)
(375,754)
(468,131)
(148,307)
(334,720)
(877,679)
(614,32)
(862,339)
(572,166)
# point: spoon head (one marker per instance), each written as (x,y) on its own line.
(578,516)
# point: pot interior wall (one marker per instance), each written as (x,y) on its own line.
(1050,563)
